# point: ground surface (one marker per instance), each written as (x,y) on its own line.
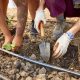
(17,69)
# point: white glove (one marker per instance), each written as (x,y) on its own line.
(40,16)
(60,48)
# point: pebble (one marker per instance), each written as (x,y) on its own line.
(67,77)
(17,64)
(29,78)
(22,65)
(23,74)
(61,74)
(52,74)
(17,76)
(27,67)
(22,78)
(73,78)
(52,79)
(42,71)
(12,77)
(57,78)
(41,77)
(33,57)
(13,71)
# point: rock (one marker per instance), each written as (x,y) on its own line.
(17,76)
(57,78)
(22,65)
(52,79)
(27,67)
(17,64)
(13,71)
(33,56)
(42,71)
(29,78)
(37,70)
(8,66)
(12,77)
(35,73)
(52,74)
(41,77)
(23,74)
(67,77)
(61,74)
(73,78)
(28,64)
(22,78)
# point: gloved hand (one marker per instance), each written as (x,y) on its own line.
(40,16)
(60,47)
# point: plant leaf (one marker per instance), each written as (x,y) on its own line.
(7,46)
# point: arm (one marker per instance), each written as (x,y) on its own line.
(75,28)
(61,45)
(41,4)
(40,16)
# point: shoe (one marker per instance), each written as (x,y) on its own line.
(58,30)
(33,30)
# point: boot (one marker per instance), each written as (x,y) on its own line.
(58,30)
(33,30)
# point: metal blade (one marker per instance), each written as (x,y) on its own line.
(45,51)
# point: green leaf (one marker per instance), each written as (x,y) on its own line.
(7,46)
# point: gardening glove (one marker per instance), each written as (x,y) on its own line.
(40,17)
(61,46)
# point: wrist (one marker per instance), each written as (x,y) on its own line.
(70,35)
(40,8)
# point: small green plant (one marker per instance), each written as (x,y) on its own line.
(7,46)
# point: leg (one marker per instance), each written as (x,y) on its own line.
(32,9)
(21,21)
(5,4)
(59,27)
(3,25)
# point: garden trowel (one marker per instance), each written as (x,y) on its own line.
(45,51)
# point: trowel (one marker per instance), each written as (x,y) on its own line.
(44,47)
(45,51)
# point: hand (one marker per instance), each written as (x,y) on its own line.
(60,47)
(40,16)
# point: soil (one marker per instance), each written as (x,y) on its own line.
(13,68)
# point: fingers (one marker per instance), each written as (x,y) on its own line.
(57,51)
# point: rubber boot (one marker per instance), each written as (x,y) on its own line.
(59,28)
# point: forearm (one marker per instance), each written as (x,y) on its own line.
(75,28)
(41,5)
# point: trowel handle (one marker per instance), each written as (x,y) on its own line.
(41,26)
